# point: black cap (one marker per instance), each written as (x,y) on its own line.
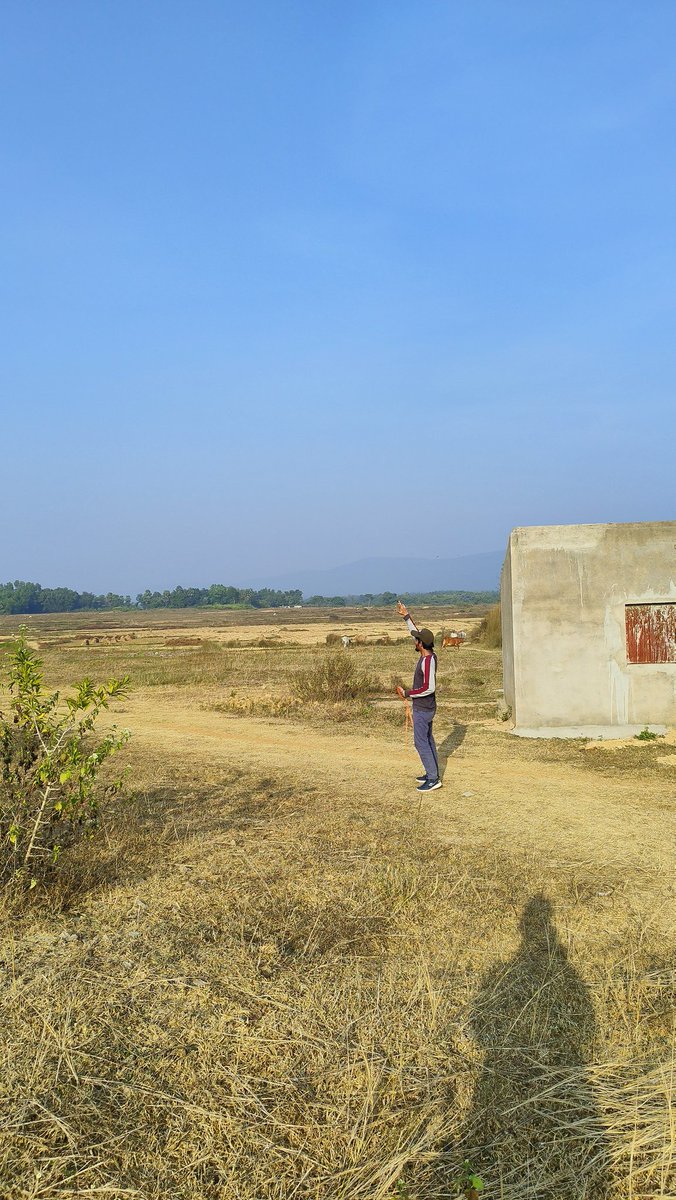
(425,636)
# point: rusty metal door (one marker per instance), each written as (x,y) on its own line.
(651,633)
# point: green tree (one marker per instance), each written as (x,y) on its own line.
(20,597)
(193,597)
(114,600)
(59,599)
(218,593)
(89,600)
(148,599)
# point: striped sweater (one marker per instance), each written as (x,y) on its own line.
(424,680)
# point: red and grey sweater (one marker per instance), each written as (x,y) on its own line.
(424,680)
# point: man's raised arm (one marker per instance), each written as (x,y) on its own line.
(403,612)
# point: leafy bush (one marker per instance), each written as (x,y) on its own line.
(489,632)
(331,679)
(50,760)
(646,735)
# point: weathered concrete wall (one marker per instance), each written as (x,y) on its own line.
(506,617)
(564,590)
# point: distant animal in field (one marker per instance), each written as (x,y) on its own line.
(453,639)
(346,642)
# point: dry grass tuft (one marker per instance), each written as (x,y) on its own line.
(489,631)
(332,678)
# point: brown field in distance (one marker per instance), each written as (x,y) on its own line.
(279,972)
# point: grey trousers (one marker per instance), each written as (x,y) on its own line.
(424,742)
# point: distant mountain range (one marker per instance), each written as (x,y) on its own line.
(472,573)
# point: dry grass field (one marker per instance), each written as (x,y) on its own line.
(278,973)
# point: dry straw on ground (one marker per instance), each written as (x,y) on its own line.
(255,986)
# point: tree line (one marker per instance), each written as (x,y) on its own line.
(387,599)
(219,594)
(21,597)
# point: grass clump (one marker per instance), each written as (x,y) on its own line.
(332,679)
(256,706)
(489,633)
(646,735)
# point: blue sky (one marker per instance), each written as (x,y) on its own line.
(287,284)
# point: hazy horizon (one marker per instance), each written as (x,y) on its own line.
(296,579)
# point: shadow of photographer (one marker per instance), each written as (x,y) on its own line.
(534,1128)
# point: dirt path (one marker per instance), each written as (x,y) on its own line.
(553,810)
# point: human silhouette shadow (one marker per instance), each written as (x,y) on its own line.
(449,745)
(534,1128)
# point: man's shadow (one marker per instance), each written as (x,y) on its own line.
(534,1127)
(449,745)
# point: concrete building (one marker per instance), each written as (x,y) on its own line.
(589,629)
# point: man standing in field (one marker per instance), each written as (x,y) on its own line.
(423,700)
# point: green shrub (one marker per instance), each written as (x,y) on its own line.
(50,760)
(332,678)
